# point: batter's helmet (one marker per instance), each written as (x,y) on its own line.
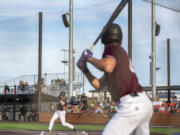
(62,94)
(112,34)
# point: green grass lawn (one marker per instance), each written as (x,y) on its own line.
(40,126)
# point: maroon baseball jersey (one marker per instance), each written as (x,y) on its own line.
(61,106)
(122,80)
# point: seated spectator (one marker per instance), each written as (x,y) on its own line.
(53,85)
(175,101)
(6,89)
(4,116)
(100,98)
(12,91)
(107,108)
(73,100)
(164,109)
(44,89)
(42,81)
(84,99)
(113,108)
(92,108)
(79,99)
(99,109)
(21,85)
(178,107)
(157,104)
(23,112)
(32,114)
(26,85)
(36,87)
(172,108)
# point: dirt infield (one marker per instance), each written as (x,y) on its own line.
(16,132)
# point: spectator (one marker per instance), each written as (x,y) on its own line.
(4,115)
(84,101)
(36,87)
(164,107)
(53,85)
(99,109)
(157,104)
(178,107)
(44,89)
(172,108)
(107,108)
(100,99)
(113,108)
(32,114)
(175,101)
(21,86)
(79,99)
(42,81)
(12,91)
(92,108)
(6,89)
(26,85)
(73,100)
(23,112)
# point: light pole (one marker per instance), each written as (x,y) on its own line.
(70,25)
(70,48)
(153,51)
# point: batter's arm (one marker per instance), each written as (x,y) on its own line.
(106,64)
(95,82)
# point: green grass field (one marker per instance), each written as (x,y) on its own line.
(37,126)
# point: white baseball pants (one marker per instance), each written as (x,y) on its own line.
(132,116)
(61,115)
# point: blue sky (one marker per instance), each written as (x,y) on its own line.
(19,36)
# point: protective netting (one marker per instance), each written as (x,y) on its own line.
(167,4)
(19,41)
(18,47)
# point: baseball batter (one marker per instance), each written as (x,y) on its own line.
(61,113)
(134,109)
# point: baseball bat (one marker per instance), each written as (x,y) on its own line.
(112,18)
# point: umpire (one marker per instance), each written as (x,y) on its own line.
(135,109)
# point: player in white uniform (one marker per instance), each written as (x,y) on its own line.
(61,113)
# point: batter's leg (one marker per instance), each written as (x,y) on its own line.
(54,117)
(143,128)
(61,115)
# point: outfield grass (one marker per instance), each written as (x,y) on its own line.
(36,126)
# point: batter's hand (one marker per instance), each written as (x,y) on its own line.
(82,64)
(87,54)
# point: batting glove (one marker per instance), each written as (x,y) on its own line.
(87,54)
(82,64)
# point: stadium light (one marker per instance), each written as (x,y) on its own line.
(65,20)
